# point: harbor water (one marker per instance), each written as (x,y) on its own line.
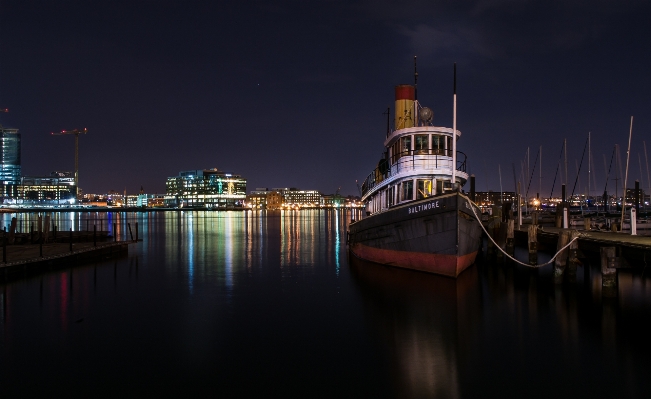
(261,304)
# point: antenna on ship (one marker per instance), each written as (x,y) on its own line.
(415,92)
(454,129)
(388,120)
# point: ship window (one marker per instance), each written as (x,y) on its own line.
(421,143)
(405,145)
(424,189)
(450,146)
(438,145)
(407,190)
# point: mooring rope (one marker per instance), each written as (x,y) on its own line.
(509,256)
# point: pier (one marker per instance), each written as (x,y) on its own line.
(29,258)
(635,250)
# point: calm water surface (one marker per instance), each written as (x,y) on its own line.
(236,304)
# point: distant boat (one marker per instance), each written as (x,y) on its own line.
(417,217)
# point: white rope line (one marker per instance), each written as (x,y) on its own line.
(509,256)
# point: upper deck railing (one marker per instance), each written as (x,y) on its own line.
(412,160)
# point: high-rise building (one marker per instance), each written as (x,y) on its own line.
(9,163)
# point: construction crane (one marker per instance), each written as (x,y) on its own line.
(76,132)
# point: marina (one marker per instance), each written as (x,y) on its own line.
(210,301)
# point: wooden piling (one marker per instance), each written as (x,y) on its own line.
(573,256)
(558,217)
(532,239)
(534,218)
(561,259)
(12,230)
(586,223)
(499,233)
(608,272)
(510,243)
(46,228)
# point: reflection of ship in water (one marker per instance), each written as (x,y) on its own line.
(424,320)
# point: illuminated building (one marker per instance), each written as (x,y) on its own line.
(208,188)
(293,197)
(263,198)
(486,199)
(150,201)
(9,163)
(57,189)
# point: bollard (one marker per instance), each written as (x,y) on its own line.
(561,260)
(633,222)
(608,272)
(532,239)
(565,221)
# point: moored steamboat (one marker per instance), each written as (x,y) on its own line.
(417,216)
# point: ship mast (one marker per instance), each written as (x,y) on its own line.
(417,123)
(454,129)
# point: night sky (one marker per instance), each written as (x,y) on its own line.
(291,93)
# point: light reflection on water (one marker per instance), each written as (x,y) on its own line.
(255,303)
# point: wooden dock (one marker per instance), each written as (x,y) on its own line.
(30,258)
(634,249)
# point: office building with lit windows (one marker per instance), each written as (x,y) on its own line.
(208,188)
(9,163)
(293,197)
(263,198)
(57,189)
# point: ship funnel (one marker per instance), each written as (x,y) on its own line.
(405,95)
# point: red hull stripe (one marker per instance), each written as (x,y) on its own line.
(447,265)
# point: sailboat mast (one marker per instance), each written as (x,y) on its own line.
(589,163)
(648,179)
(565,150)
(540,175)
(628,153)
(454,130)
(499,168)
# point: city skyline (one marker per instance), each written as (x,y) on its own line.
(290,94)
